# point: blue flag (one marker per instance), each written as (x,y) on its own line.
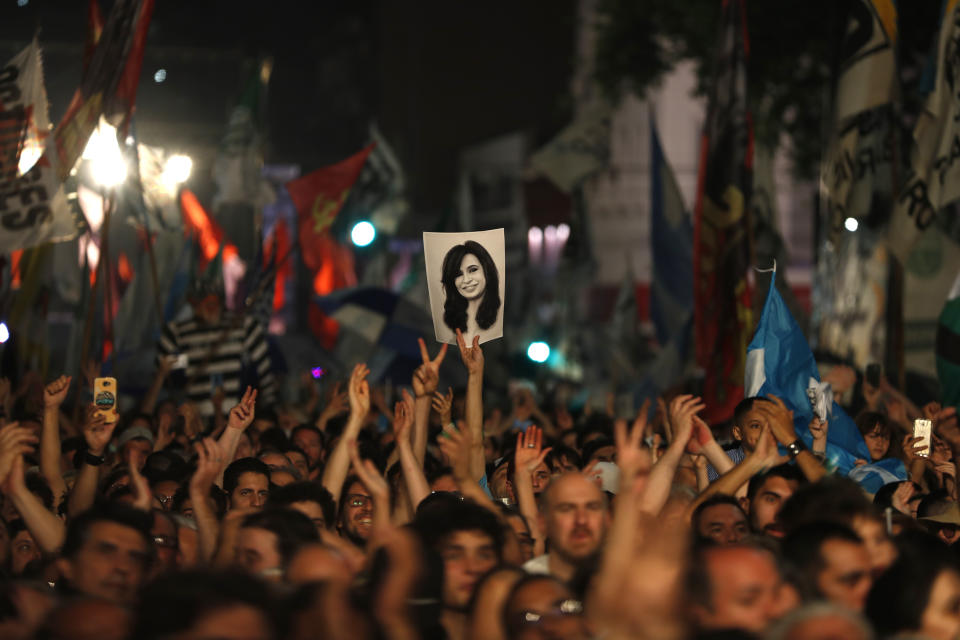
(780,363)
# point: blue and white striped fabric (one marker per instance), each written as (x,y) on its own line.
(779,362)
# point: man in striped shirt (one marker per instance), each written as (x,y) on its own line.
(218,346)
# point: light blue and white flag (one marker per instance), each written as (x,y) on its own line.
(780,363)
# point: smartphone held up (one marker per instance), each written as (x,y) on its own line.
(105,399)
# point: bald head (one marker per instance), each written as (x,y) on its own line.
(575,517)
(572,483)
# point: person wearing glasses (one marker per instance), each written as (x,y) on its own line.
(356,512)
(541,607)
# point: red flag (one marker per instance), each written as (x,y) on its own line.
(722,243)
(126,95)
(208,233)
(318,197)
(279,249)
(94,31)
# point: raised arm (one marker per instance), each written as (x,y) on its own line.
(473,360)
(425,381)
(338,464)
(241,416)
(164,365)
(780,419)
(46,528)
(53,396)
(210,464)
(682,411)
(97,434)
(377,485)
(413,478)
(529,455)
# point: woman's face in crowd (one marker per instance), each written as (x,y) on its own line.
(879,546)
(878,443)
(471,281)
(941,618)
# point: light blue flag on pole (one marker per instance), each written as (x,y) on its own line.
(780,363)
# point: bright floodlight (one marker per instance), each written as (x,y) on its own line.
(363,233)
(538,351)
(160,76)
(107,165)
(177,169)
(851,224)
(4,332)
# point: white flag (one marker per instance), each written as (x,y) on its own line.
(934,181)
(33,206)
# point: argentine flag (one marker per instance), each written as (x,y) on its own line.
(780,363)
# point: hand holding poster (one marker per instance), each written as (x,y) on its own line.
(466,282)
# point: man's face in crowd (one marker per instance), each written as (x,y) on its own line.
(748,432)
(23,551)
(879,546)
(300,463)
(745,590)
(541,478)
(275,460)
(256,552)
(941,618)
(522,532)
(244,448)
(208,309)
(281,478)
(604,454)
(467,556)
(110,564)
(723,523)
(357,516)
(544,610)
(252,490)
(845,576)
(766,503)
(310,443)
(139,448)
(163,492)
(499,482)
(313,511)
(575,517)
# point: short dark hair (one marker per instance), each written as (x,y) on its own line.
(787,471)
(744,407)
(832,499)
(274,438)
(455,305)
(174,602)
(291,528)
(867,421)
(712,501)
(231,475)
(444,516)
(116,512)
(802,551)
(593,446)
(305,491)
(560,452)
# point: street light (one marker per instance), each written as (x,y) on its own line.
(107,166)
(363,233)
(4,332)
(177,170)
(538,351)
(851,224)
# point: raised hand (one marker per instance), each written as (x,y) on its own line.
(56,392)
(472,356)
(210,462)
(443,404)
(931,411)
(142,496)
(165,435)
(819,429)
(766,454)
(14,442)
(901,497)
(368,474)
(241,416)
(682,410)
(359,391)
(455,444)
(403,418)
(530,453)
(912,451)
(700,437)
(633,457)
(779,417)
(427,376)
(96,431)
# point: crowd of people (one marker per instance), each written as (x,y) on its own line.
(447,517)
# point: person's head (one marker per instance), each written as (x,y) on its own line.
(246,483)
(273,458)
(309,439)
(829,562)
(574,517)
(721,519)
(941,517)
(469,273)
(521,528)
(316,563)
(489,598)
(563,459)
(165,541)
(540,607)
(205,299)
(734,587)
(599,450)
(748,423)
(268,539)
(188,550)
(766,493)
(23,548)
(355,515)
(163,493)
(299,460)
(877,432)
(107,551)
(819,621)
(919,595)
(85,617)
(136,441)
(308,498)
(204,604)
(467,537)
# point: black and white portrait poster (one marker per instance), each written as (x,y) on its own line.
(466,281)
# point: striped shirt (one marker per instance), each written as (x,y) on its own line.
(736,455)
(217,354)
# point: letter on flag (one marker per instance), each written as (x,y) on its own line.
(318,197)
(721,249)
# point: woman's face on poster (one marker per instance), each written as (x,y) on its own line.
(471,281)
